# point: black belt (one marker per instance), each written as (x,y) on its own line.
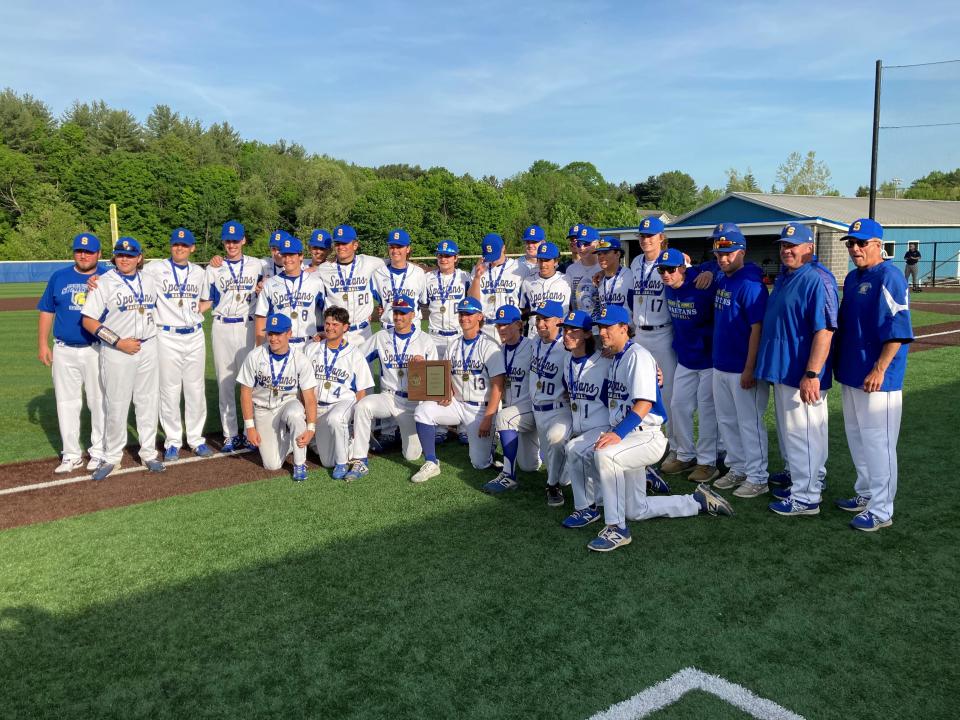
(445,333)
(652,327)
(548,406)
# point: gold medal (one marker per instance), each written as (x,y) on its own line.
(443,308)
(276,391)
(613,403)
(491,299)
(573,406)
(539,385)
(400,372)
(466,376)
(141,309)
(238,297)
(326,385)
(345,297)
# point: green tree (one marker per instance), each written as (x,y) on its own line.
(803,175)
(43,231)
(745,182)
(674,192)
(24,122)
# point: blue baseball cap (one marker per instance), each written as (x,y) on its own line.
(574,230)
(865,229)
(289,245)
(127,246)
(182,236)
(795,234)
(320,239)
(534,233)
(447,247)
(403,304)
(547,251)
(507,314)
(399,236)
(344,234)
(727,238)
(276,238)
(277,323)
(608,244)
(469,305)
(86,241)
(588,235)
(651,225)
(612,315)
(578,319)
(491,247)
(232,230)
(670,258)
(549,309)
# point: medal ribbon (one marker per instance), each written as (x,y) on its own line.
(574,381)
(616,365)
(397,292)
(328,367)
(608,296)
(349,280)
(541,364)
(397,355)
(465,359)
(139,297)
(493,285)
(275,379)
(286,288)
(236,280)
(444,294)
(181,287)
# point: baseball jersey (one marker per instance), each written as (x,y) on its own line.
(180,288)
(64,297)
(649,306)
(395,351)
(232,287)
(875,310)
(297,297)
(546,371)
(270,268)
(500,285)
(632,376)
(125,304)
(472,364)
(529,268)
(585,379)
(803,302)
(616,290)
(584,293)
(443,292)
(350,286)
(741,301)
(390,283)
(691,311)
(340,372)
(516,363)
(535,290)
(275,379)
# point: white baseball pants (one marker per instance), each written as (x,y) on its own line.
(442,342)
(385,405)
(659,343)
(553,431)
(182,360)
(279,429)
(740,417)
(693,391)
(803,437)
(519,418)
(582,471)
(872,423)
(76,370)
(231,343)
(456,413)
(125,378)
(332,439)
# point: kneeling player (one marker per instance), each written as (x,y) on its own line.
(476,363)
(634,440)
(343,377)
(271,378)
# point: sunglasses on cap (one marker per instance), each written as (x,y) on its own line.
(664,269)
(724,243)
(850,242)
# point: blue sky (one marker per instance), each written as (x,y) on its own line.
(637,88)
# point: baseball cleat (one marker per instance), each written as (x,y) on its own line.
(857,504)
(704,474)
(171,453)
(203,450)
(463,438)
(581,518)
(358,469)
(340,471)
(500,484)
(794,507)
(610,538)
(749,490)
(441,435)
(729,481)
(154,466)
(780,479)
(780,493)
(554,496)
(655,483)
(868,522)
(102,471)
(672,467)
(94,464)
(299,473)
(710,502)
(68,466)
(428,470)
(228,446)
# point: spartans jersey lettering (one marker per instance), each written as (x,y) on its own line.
(390,283)
(617,290)
(350,286)
(179,291)
(231,279)
(500,285)
(443,293)
(649,305)
(339,375)
(586,381)
(126,305)
(479,359)
(546,371)
(395,352)
(293,296)
(536,289)
(288,374)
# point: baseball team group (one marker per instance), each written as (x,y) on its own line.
(598,371)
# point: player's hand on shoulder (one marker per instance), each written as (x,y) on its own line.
(607,438)
(704,280)
(93,281)
(216,261)
(596,278)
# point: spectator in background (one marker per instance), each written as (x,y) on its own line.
(911,269)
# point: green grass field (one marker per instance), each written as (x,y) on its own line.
(18,290)
(382,598)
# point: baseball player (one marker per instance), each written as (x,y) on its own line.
(740,401)
(476,364)
(573,238)
(319,249)
(549,396)
(395,348)
(516,426)
(293,292)
(272,380)
(232,290)
(585,378)
(546,284)
(348,283)
(74,357)
(585,295)
(615,284)
(529,264)
(183,295)
(633,440)
(120,313)
(399,278)
(873,332)
(445,287)
(343,378)
(272,265)
(794,355)
(691,311)
(496,282)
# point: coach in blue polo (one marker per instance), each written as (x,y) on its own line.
(794,356)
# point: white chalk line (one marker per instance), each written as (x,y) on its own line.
(122,471)
(669,691)
(945,332)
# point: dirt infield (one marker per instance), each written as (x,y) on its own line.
(20,303)
(940,335)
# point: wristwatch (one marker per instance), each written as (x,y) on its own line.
(811,374)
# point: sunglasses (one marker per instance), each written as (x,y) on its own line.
(859,243)
(665,270)
(724,243)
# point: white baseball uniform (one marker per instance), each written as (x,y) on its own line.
(550,405)
(278,414)
(443,292)
(472,363)
(535,290)
(390,283)
(350,286)
(516,412)
(270,268)
(586,381)
(126,306)
(232,290)
(529,267)
(297,297)
(617,290)
(499,285)
(340,372)
(394,352)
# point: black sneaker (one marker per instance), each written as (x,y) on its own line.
(554,496)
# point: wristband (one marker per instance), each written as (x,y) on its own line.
(107,335)
(312,427)
(247,424)
(630,422)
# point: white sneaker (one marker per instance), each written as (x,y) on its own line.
(729,481)
(428,470)
(749,490)
(93,464)
(68,466)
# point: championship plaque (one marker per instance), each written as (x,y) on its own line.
(429,380)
